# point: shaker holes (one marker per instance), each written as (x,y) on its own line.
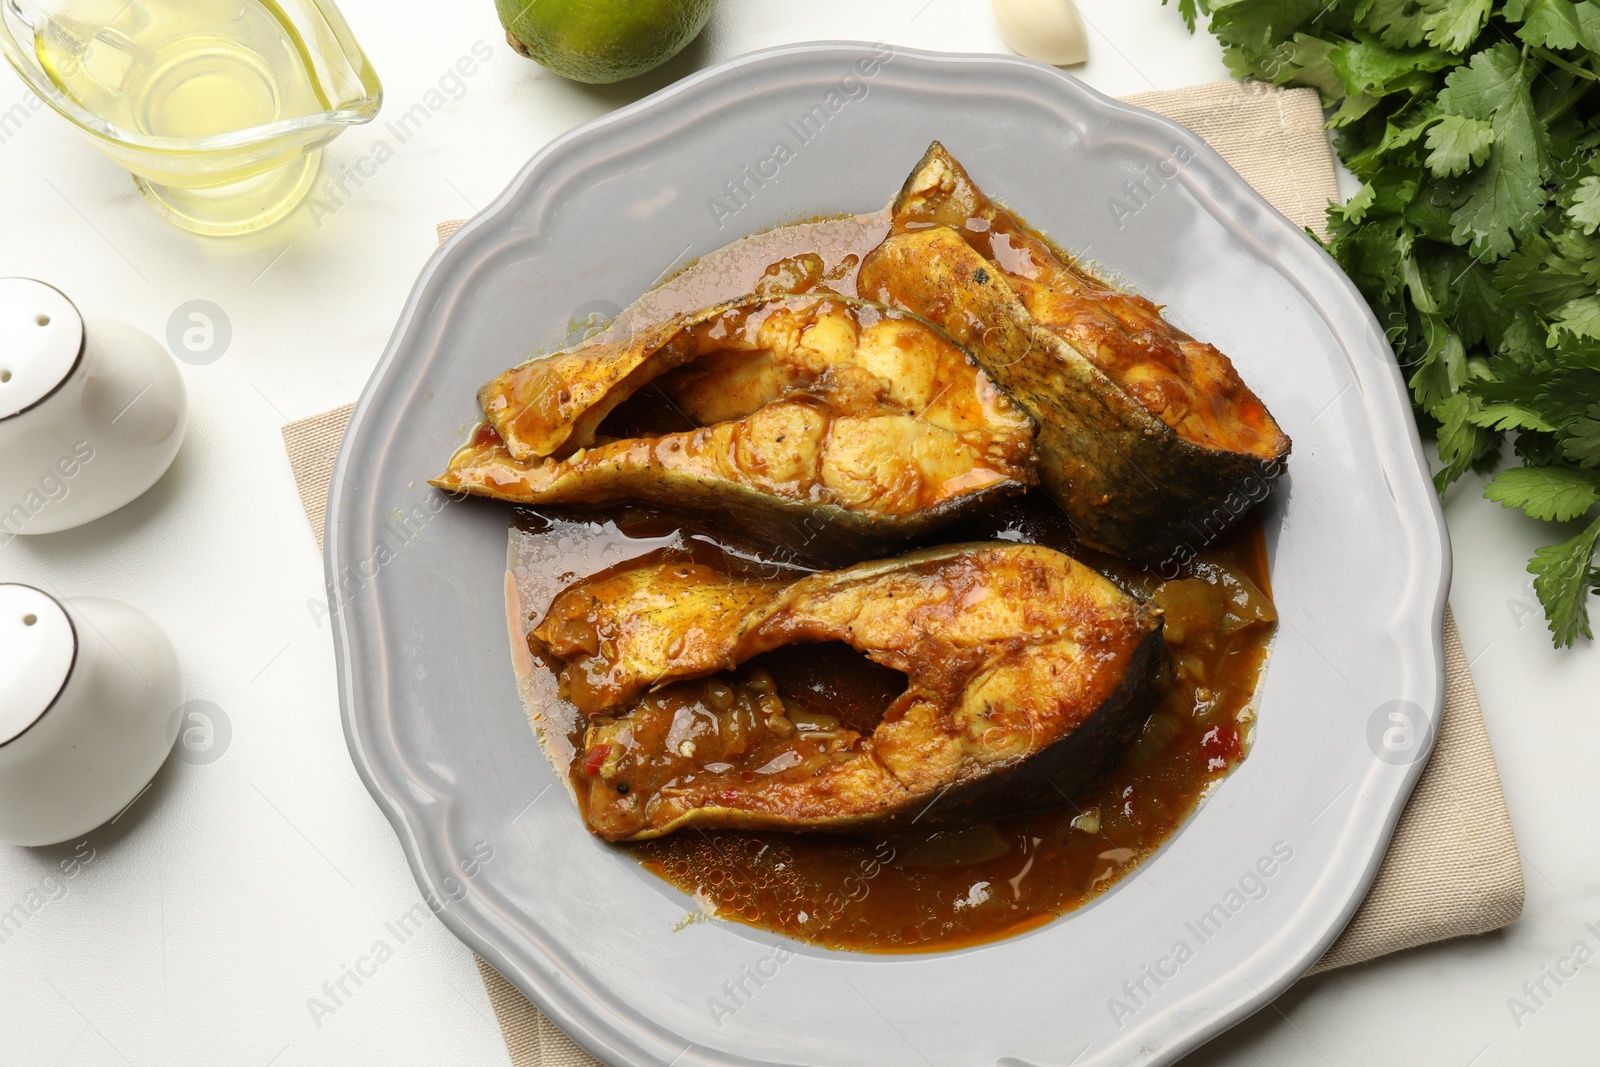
(29,620)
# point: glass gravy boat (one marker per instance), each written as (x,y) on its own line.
(219,108)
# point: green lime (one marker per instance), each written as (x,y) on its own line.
(602,41)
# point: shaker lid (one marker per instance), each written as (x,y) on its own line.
(37,649)
(41,339)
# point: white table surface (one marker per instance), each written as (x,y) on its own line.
(232,891)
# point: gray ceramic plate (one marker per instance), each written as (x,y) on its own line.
(1237,905)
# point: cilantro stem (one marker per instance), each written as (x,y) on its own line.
(1566,64)
(1566,103)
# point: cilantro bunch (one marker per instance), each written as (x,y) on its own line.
(1475,126)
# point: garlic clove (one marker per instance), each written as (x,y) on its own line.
(1046,30)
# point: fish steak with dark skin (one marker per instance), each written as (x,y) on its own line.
(818,423)
(1027,674)
(1148,439)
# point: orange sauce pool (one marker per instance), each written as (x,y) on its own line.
(929,891)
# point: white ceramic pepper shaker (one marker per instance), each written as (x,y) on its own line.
(91,411)
(89,691)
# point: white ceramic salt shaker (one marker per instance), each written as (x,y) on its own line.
(91,411)
(89,689)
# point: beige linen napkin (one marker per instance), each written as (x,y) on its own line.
(1452,868)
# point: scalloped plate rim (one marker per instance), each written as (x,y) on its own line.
(597,1033)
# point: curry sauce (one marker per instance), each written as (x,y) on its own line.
(940,889)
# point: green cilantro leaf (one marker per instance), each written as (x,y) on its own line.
(1480,316)
(1510,415)
(1255,26)
(1398,23)
(1453,24)
(1582,443)
(1561,578)
(1576,318)
(1556,23)
(1447,24)
(1461,443)
(1553,494)
(1539,274)
(1358,206)
(1303,60)
(1585,209)
(1506,197)
(1394,145)
(1458,144)
(1186,8)
(1374,69)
